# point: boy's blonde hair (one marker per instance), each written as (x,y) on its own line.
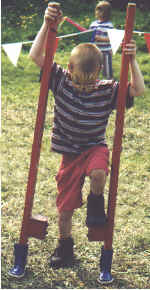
(103,11)
(85,63)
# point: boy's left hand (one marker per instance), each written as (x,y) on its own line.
(130,48)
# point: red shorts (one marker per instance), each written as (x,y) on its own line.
(72,172)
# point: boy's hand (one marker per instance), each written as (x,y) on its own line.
(130,49)
(53,13)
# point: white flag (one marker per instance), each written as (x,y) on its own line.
(115,36)
(13,51)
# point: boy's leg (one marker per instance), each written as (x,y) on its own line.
(69,183)
(98,180)
(65,224)
(63,254)
(97,171)
(95,202)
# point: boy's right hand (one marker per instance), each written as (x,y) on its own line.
(53,13)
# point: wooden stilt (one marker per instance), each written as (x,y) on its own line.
(35,226)
(106,233)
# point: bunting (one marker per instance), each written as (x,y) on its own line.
(116,36)
(13,51)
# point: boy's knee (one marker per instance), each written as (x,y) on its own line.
(98,180)
(98,175)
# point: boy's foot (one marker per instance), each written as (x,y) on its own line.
(95,211)
(63,254)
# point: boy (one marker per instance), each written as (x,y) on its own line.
(82,108)
(100,35)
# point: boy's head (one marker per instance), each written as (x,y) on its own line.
(103,11)
(84,66)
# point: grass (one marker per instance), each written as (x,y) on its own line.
(130,268)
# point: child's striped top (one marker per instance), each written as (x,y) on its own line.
(100,28)
(80,119)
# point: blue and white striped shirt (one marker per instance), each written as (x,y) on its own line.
(100,29)
(80,119)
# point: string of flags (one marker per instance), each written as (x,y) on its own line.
(116,36)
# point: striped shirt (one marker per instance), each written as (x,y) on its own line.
(80,119)
(100,29)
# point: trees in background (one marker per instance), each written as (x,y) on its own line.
(142,4)
(72,5)
(21,18)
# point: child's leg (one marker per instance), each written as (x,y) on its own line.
(63,254)
(69,183)
(98,180)
(97,170)
(107,71)
(65,224)
(95,202)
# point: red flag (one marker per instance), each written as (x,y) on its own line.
(79,27)
(147,38)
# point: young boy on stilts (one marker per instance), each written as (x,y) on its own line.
(83,104)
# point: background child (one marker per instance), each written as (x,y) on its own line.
(100,35)
(82,108)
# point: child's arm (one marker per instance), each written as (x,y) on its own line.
(38,48)
(99,38)
(137,81)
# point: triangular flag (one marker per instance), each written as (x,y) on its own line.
(13,51)
(115,36)
(147,38)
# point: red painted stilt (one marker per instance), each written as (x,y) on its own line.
(106,233)
(35,226)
